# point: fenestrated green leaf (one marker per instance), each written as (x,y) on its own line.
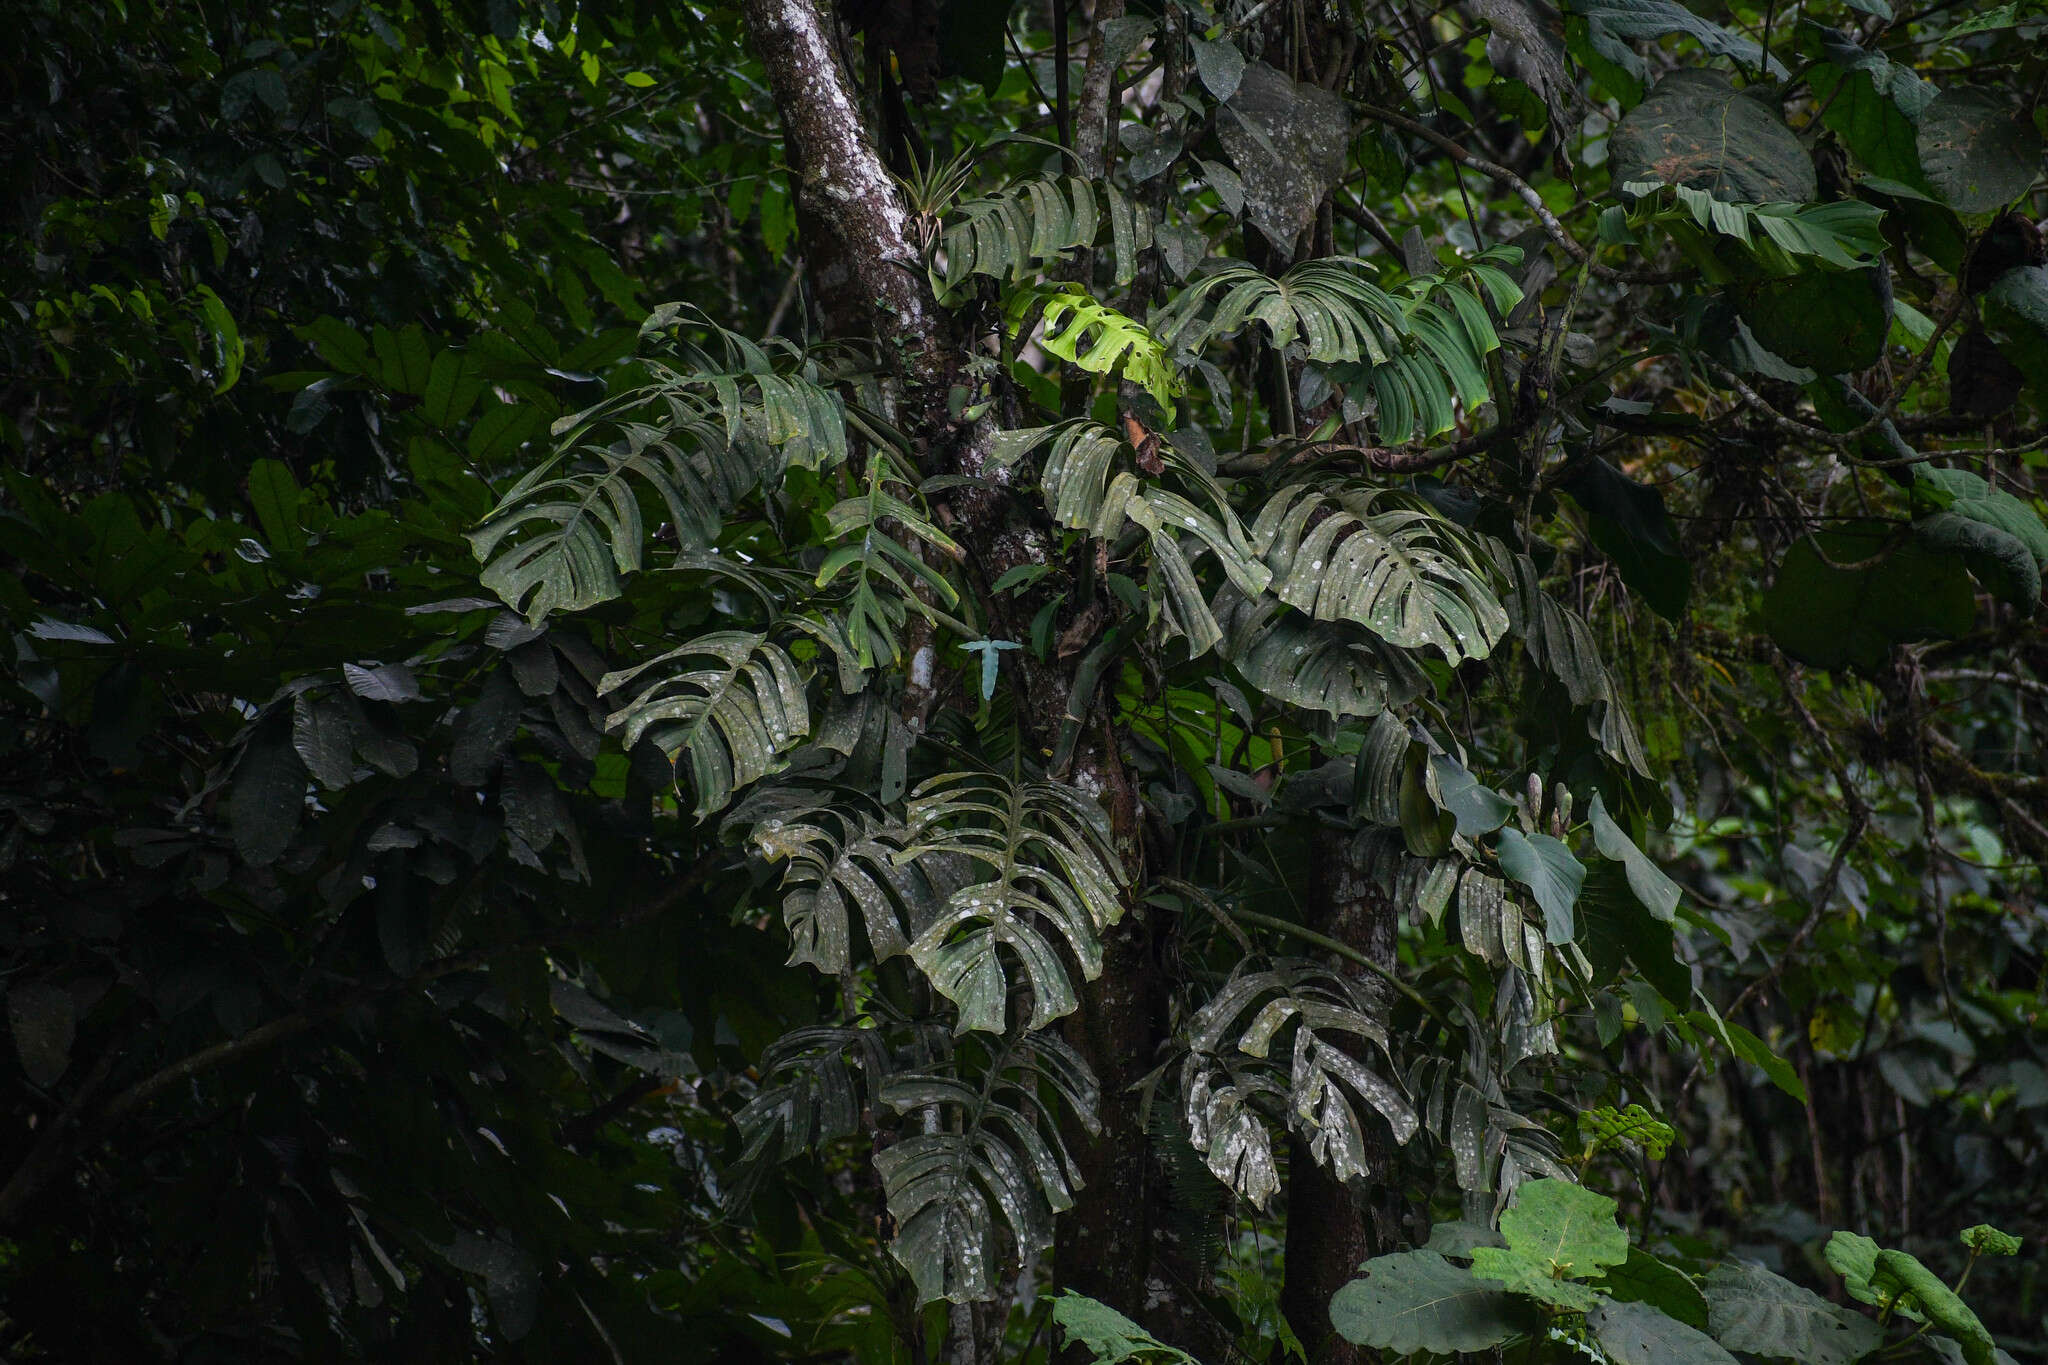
(1411,577)
(1567,1227)
(732,701)
(1845,598)
(844,864)
(1418,1301)
(1552,874)
(1335,667)
(1641,1334)
(1658,893)
(1232,1079)
(1750,1309)
(1697,130)
(1038,856)
(1978,153)
(997,1161)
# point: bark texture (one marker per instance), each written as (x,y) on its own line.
(1330,1228)
(859,247)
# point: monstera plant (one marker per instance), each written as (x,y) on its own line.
(1269,662)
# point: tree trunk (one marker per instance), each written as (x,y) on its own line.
(859,248)
(1330,1228)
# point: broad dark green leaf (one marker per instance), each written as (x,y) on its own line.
(1641,1334)
(1552,874)
(1697,130)
(1977,150)
(1750,1309)
(1831,322)
(1843,599)
(1418,1301)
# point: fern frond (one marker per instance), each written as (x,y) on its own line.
(732,701)
(1040,857)
(1409,576)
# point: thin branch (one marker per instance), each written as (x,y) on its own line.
(1552,227)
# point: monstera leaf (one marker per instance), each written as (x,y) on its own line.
(700,438)
(1409,576)
(844,864)
(1035,856)
(1231,1078)
(1418,1301)
(1334,667)
(995,1160)
(732,702)
(813,1086)
(1697,130)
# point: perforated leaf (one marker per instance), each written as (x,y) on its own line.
(1411,577)
(732,702)
(1040,870)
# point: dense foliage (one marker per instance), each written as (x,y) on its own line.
(1283,679)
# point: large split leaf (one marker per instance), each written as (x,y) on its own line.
(1418,1301)
(1843,599)
(1978,153)
(1697,130)
(1334,667)
(733,702)
(1038,857)
(1309,1021)
(1411,577)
